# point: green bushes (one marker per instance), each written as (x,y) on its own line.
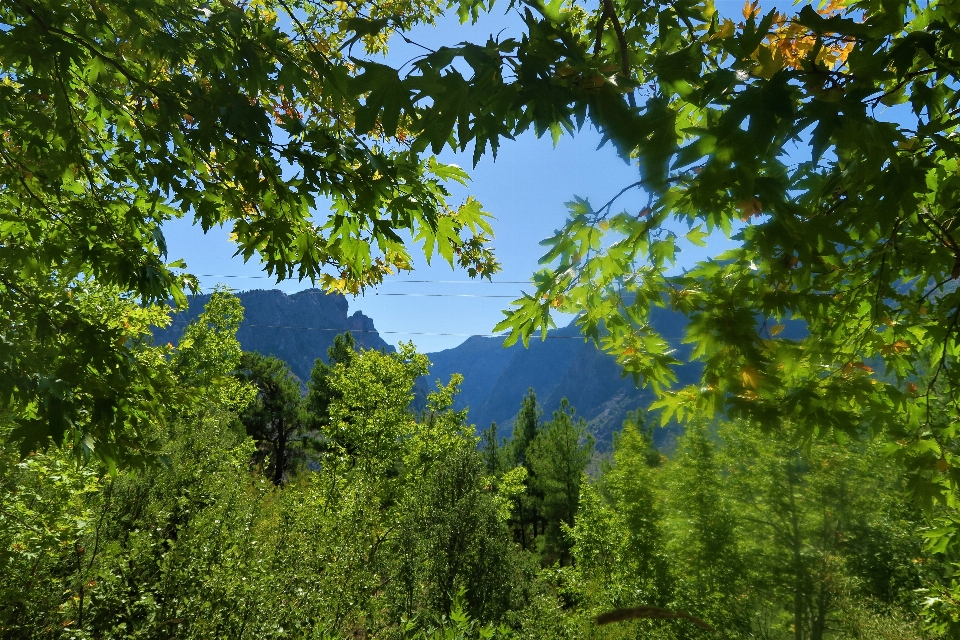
(389,525)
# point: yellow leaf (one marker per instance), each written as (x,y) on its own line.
(749,208)
(908,145)
(777,329)
(897,347)
(750,377)
(725,31)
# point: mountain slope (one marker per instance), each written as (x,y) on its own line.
(299,328)
(563,366)
(296,328)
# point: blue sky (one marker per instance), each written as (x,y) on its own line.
(525,189)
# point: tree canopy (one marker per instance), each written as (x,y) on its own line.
(824,141)
(119,116)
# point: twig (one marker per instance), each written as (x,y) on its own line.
(622,41)
(649,612)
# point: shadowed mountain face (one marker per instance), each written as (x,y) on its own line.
(563,366)
(297,328)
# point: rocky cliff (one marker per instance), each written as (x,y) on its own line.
(563,366)
(297,328)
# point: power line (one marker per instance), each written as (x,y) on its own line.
(427,295)
(441,295)
(422,333)
(406,333)
(214,275)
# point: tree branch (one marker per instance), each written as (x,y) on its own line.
(650,612)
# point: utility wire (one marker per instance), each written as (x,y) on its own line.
(428,295)
(406,333)
(418,333)
(214,275)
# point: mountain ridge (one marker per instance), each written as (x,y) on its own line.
(299,327)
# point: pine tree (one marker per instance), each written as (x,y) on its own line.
(319,391)
(557,458)
(525,427)
(491,450)
(276,416)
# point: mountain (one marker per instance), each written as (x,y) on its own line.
(563,366)
(296,328)
(299,328)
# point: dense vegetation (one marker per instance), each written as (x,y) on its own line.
(337,513)
(193,490)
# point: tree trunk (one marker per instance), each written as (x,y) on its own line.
(280,461)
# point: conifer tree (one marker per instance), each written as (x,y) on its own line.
(319,391)
(491,450)
(557,457)
(525,427)
(276,416)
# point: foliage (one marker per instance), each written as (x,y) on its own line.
(770,129)
(408,535)
(837,314)
(557,458)
(120,116)
(755,536)
(46,521)
(404,529)
(618,539)
(708,567)
(319,393)
(454,535)
(275,419)
(80,371)
(208,354)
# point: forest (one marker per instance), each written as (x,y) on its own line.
(341,513)
(194,490)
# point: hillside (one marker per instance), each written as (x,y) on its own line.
(563,366)
(298,328)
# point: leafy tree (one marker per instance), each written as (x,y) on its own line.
(82,373)
(768,128)
(206,547)
(208,353)
(368,418)
(276,418)
(701,538)
(319,393)
(771,129)
(621,530)
(557,457)
(454,543)
(809,517)
(240,115)
(46,518)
